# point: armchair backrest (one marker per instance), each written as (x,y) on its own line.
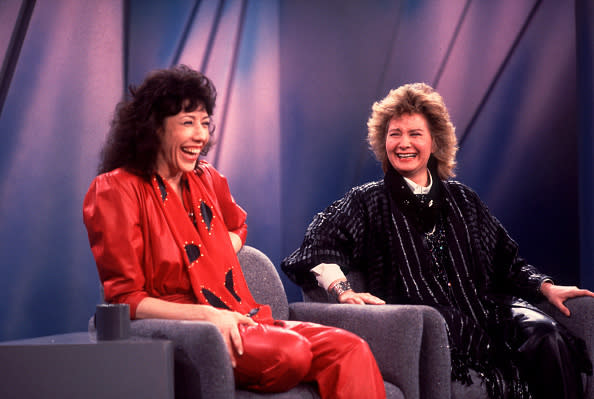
(263,281)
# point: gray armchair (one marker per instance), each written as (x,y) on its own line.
(434,367)
(203,369)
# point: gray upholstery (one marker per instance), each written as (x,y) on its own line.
(431,368)
(203,368)
(264,282)
(434,367)
(266,287)
(396,346)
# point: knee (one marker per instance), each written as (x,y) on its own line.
(348,342)
(545,329)
(351,339)
(277,361)
(543,333)
(290,363)
(293,356)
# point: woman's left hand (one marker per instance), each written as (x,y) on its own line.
(558,294)
(235,241)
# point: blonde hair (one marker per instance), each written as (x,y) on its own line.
(415,98)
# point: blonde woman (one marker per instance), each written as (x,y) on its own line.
(421,238)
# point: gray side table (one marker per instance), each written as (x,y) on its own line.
(76,366)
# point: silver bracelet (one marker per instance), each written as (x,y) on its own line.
(546,280)
(339,288)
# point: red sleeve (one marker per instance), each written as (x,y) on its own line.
(234,216)
(111,215)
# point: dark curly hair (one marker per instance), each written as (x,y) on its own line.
(133,140)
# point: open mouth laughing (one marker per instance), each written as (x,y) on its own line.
(191,150)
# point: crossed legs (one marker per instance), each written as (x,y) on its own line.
(278,357)
(545,357)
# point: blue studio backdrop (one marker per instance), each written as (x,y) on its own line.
(296,81)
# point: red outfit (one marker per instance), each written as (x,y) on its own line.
(145,245)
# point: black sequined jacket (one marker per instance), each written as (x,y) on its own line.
(472,273)
(360,232)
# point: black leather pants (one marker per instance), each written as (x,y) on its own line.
(544,356)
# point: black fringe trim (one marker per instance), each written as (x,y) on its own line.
(498,384)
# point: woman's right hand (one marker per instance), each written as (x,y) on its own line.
(226,321)
(228,324)
(342,291)
(360,298)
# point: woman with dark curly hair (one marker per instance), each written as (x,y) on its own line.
(420,238)
(133,141)
(164,231)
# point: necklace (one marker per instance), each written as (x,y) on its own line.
(430,233)
(193,218)
(436,243)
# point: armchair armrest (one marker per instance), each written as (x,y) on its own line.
(581,320)
(435,363)
(393,332)
(202,365)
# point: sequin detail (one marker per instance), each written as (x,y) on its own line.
(214,300)
(162,188)
(192,251)
(229,285)
(435,242)
(206,213)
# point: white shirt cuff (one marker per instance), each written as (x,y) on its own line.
(327,273)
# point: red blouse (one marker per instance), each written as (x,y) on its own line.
(145,244)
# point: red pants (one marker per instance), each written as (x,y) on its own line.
(278,357)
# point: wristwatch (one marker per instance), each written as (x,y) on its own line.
(339,288)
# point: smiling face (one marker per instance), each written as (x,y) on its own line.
(183,136)
(408,146)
